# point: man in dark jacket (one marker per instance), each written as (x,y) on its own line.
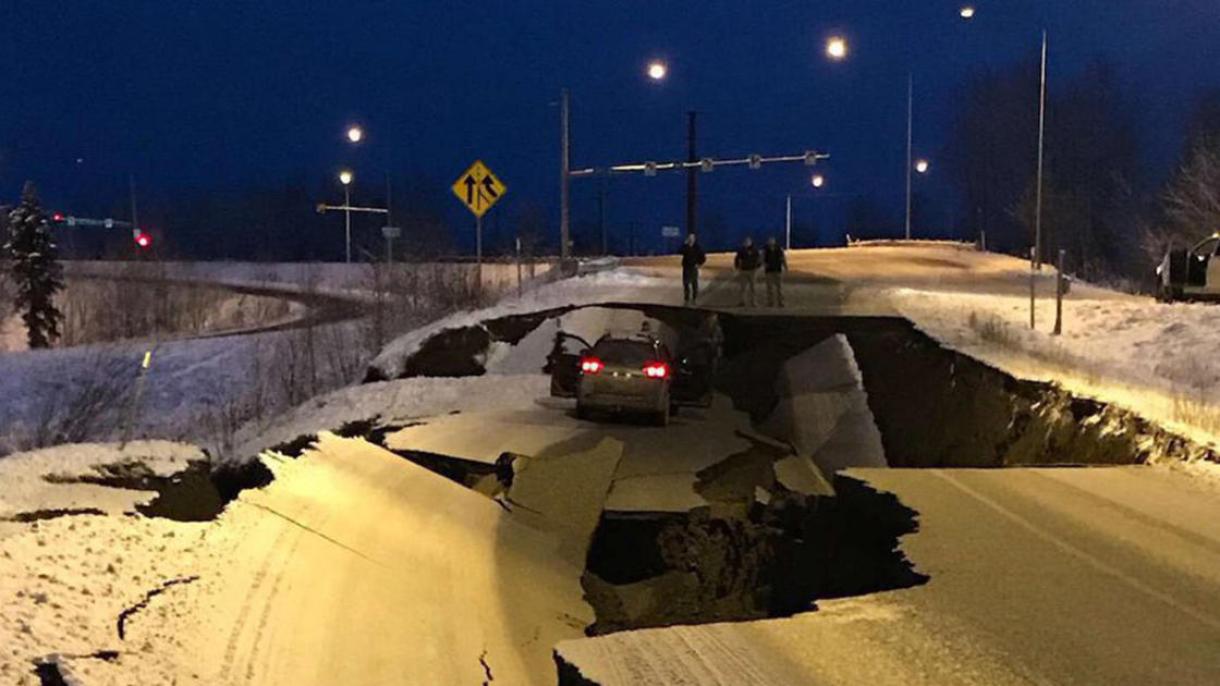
(775,263)
(693,257)
(746,265)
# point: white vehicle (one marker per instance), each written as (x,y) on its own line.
(1192,274)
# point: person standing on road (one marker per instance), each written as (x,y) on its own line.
(775,263)
(693,257)
(746,265)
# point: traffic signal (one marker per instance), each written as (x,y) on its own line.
(142,239)
(57,217)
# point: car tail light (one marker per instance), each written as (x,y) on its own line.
(656,370)
(591,365)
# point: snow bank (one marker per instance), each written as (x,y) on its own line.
(1153,359)
(610,286)
(27,488)
(401,400)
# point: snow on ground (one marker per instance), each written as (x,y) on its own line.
(394,401)
(1154,359)
(41,479)
(192,388)
(619,285)
(65,577)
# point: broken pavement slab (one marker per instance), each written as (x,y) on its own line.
(566,492)
(1044,576)
(822,409)
(657,472)
(359,567)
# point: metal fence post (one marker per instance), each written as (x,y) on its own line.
(1032,286)
(1059,282)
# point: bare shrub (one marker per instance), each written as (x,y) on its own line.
(85,406)
(993,330)
(999,333)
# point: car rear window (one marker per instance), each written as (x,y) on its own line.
(624,352)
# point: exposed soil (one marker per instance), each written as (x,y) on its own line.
(196,494)
(648,570)
(936,407)
(933,406)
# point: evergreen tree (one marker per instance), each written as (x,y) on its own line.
(37,273)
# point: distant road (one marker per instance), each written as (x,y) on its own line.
(320,308)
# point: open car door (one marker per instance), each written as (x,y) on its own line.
(563,364)
(694,372)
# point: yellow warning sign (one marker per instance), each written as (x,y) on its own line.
(478,188)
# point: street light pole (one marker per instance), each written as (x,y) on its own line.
(910,129)
(564,175)
(1037,259)
(347,221)
(788,226)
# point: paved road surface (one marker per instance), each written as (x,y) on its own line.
(360,568)
(1064,576)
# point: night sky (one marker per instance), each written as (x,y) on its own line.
(198,96)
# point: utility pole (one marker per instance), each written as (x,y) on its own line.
(1037,258)
(564,176)
(910,129)
(692,177)
(788,226)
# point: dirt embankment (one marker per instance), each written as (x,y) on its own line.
(936,407)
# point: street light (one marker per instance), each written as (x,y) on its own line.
(355,134)
(922,166)
(818,181)
(345,178)
(967,12)
(657,70)
(836,48)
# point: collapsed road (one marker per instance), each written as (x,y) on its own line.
(724,549)
(857,504)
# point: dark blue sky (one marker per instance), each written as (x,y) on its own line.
(219,94)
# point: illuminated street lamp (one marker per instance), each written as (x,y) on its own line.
(922,166)
(817,181)
(345,178)
(657,70)
(355,134)
(836,48)
(967,12)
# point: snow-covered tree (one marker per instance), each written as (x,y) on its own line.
(35,266)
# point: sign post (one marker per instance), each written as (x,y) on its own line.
(478,189)
(390,233)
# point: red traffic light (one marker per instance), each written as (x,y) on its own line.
(143,239)
(57,217)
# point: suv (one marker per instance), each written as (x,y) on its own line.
(613,374)
(626,374)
